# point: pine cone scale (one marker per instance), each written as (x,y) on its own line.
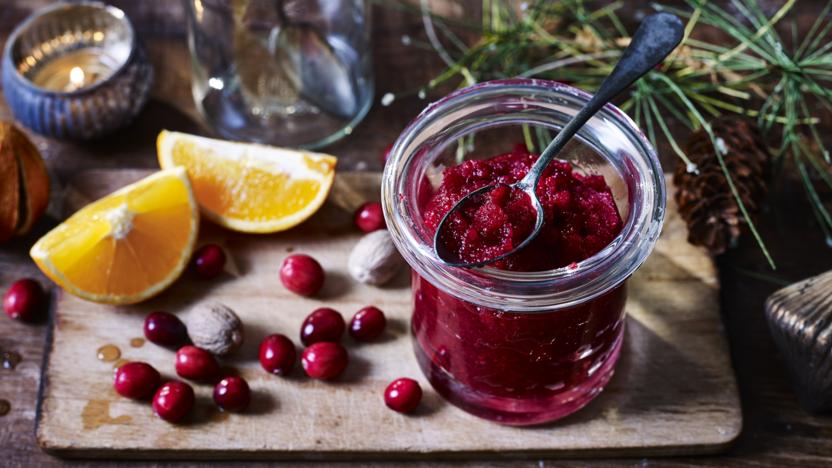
(704,197)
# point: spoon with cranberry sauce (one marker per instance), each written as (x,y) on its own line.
(655,38)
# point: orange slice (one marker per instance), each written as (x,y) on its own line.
(250,187)
(127,246)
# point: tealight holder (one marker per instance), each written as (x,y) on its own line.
(75,70)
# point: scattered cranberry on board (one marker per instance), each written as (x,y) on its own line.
(367,324)
(369,217)
(173,401)
(302,274)
(136,380)
(403,395)
(324,360)
(23,300)
(277,354)
(196,364)
(209,261)
(323,324)
(232,394)
(165,329)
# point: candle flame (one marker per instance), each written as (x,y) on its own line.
(77,77)
(198,9)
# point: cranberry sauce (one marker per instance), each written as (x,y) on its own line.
(580,213)
(516,368)
(511,367)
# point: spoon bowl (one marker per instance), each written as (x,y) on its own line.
(451,258)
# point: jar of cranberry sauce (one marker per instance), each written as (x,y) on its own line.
(512,344)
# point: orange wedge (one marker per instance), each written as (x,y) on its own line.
(127,246)
(249,187)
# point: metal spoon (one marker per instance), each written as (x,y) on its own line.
(655,38)
(312,66)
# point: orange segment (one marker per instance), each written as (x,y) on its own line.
(249,187)
(127,246)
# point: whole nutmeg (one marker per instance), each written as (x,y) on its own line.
(374,259)
(214,327)
(24,183)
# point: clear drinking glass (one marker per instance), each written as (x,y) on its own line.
(521,347)
(286,72)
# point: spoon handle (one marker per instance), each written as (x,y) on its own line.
(655,38)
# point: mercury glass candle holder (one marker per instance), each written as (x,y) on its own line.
(75,70)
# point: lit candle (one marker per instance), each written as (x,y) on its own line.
(75,70)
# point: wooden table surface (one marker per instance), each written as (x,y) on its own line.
(777,432)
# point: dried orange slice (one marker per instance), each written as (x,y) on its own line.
(250,187)
(127,246)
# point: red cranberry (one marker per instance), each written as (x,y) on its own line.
(367,324)
(165,329)
(277,354)
(369,217)
(386,154)
(325,360)
(196,364)
(322,324)
(302,274)
(209,261)
(23,300)
(173,401)
(232,394)
(137,380)
(403,395)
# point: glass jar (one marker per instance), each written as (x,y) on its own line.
(521,348)
(287,72)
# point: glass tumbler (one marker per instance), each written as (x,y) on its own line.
(521,348)
(293,73)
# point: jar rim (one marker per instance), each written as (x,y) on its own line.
(539,291)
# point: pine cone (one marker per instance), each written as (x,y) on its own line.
(703,196)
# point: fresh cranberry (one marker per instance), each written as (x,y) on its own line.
(302,274)
(165,329)
(196,364)
(23,300)
(173,401)
(369,217)
(403,395)
(137,380)
(322,324)
(367,324)
(232,394)
(209,261)
(386,154)
(325,360)
(277,354)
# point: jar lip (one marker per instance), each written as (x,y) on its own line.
(540,291)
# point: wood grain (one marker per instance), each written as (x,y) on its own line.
(673,330)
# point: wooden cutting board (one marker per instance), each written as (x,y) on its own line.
(673,393)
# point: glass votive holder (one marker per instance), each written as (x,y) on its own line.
(75,70)
(295,73)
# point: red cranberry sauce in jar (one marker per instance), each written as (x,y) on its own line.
(520,368)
